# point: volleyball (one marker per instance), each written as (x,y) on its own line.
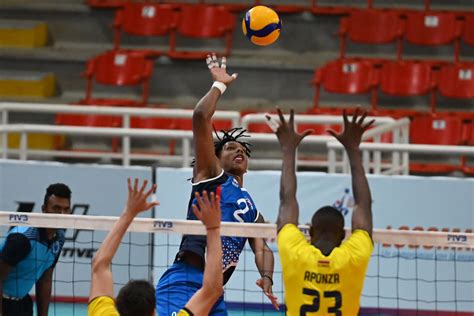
(261,25)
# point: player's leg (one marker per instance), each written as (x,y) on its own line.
(176,286)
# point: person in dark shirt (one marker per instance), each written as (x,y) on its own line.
(28,257)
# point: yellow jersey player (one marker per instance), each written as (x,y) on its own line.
(324,276)
(137,298)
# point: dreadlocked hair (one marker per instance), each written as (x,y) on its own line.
(232,135)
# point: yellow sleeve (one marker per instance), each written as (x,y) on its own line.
(102,306)
(291,243)
(359,246)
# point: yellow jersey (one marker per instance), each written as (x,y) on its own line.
(102,306)
(316,284)
(105,306)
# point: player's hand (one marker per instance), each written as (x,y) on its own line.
(288,137)
(219,72)
(209,211)
(266,285)
(351,136)
(137,197)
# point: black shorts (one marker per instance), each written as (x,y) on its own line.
(23,307)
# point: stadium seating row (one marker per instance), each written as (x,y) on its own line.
(420,28)
(395,78)
(360,26)
(342,76)
(310,5)
(148,19)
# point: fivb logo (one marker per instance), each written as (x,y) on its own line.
(17,218)
(457,239)
(163,225)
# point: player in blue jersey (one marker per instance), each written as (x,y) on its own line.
(28,257)
(219,167)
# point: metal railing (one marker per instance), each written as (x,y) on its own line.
(398,150)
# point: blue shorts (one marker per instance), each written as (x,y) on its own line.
(177,285)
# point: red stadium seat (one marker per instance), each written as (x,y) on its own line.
(457,81)
(433,28)
(436,130)
(346,77)
(202,21)
(145,19)
(118,68)
(407,78)
(371,27)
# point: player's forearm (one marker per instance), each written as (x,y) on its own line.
(360,185)
(109,246)
(206,107)
(213,278)
(288,212)
(265,261)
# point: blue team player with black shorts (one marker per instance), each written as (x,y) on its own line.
(219,167)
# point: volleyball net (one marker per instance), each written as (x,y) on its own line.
(410,272)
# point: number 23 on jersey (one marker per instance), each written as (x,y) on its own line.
(307,309)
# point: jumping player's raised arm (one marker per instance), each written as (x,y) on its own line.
(209,212)
(289,140)
(102,279)
(351,138)
(207,165)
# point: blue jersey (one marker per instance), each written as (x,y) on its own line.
(236,206)
(38,255)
